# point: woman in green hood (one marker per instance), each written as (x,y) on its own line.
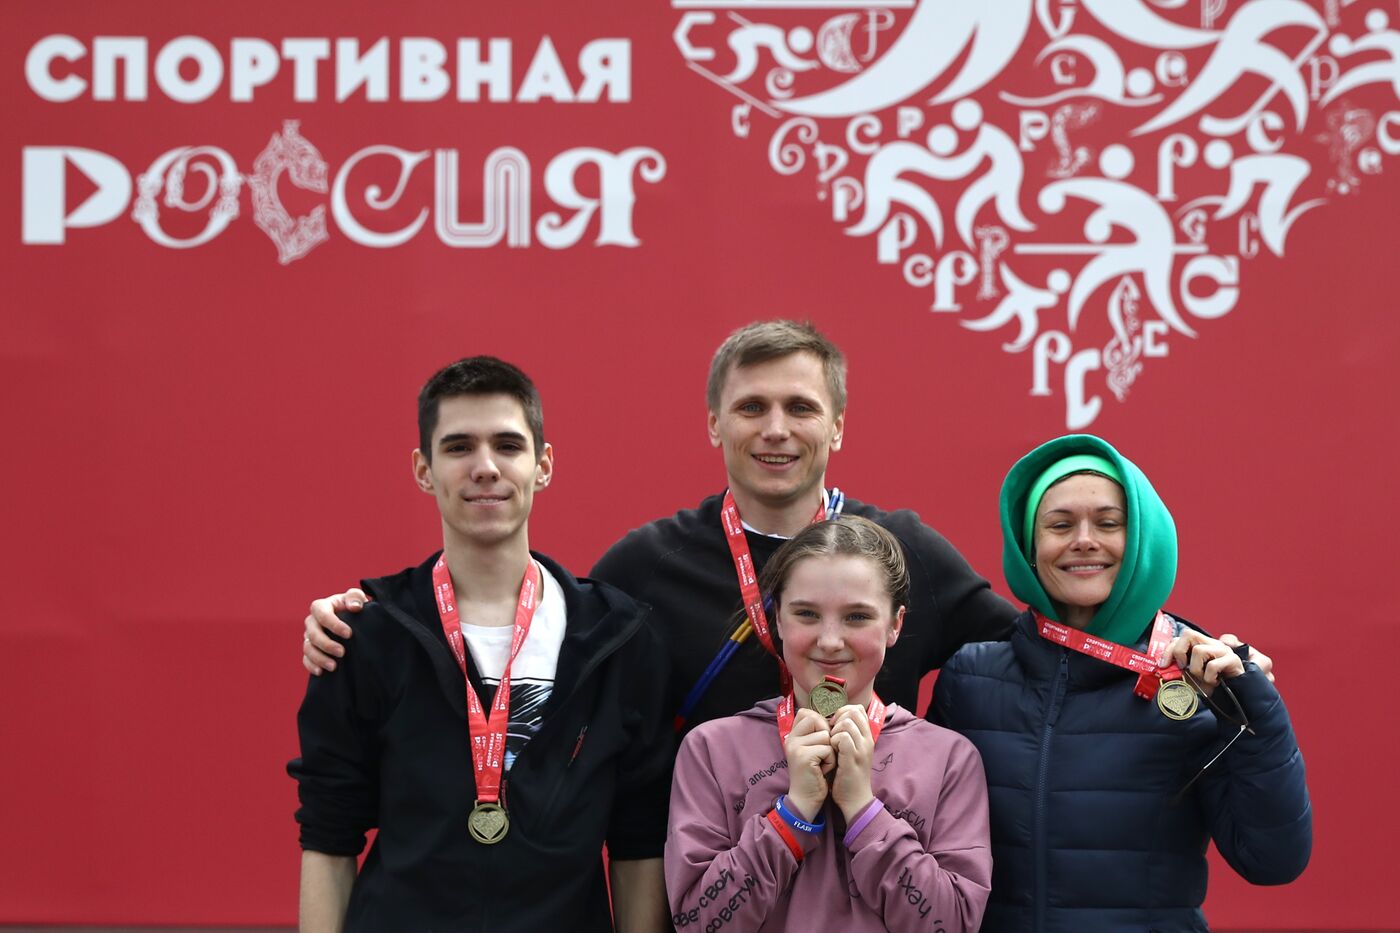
(1118,740)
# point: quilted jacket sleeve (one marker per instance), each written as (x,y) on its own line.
(1255,798)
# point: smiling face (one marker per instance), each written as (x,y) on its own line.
(836,618)
(484,469)
(1081,531)
(777,426)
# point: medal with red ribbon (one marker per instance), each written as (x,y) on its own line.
(1175,698)
(487,823)
(828,696)
(748,577)
(787,708)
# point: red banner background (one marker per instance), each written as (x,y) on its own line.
(203,439)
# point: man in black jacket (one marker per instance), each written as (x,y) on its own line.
(777,410)
(498,720)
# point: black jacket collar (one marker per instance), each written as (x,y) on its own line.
(599,618)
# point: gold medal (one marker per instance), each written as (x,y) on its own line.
(488,823)
(827,697)
(1177,700)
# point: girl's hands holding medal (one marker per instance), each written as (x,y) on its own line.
(810,758)
(815,749)
(854,746)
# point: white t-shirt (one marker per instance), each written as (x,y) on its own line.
(532,674)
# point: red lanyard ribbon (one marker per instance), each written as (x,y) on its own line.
(1145,666)
(787,712)
(748,574)
(488,735)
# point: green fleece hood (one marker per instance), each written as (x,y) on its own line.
(1148,571)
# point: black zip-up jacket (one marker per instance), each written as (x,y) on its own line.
(384,744)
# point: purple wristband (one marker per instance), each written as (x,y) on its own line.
(862,821)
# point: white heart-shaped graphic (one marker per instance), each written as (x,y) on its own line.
(1085,179)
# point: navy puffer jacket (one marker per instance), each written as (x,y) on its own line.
(1081,773)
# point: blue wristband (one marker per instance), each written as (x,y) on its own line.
(795,821)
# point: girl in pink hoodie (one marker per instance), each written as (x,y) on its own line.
(867,818)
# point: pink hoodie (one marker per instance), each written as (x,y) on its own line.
(923,863)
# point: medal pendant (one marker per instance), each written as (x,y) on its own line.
(827,697)
(1177,700)
(488,823)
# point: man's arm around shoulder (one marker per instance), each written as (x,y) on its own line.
(971,611)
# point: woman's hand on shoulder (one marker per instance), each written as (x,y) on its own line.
(809,757)
(1208,660)
(855,749)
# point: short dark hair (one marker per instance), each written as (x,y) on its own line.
(478,375)
(762,341)
(844,536)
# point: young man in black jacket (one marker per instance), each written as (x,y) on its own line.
(499,719)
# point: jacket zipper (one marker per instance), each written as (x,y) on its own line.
(587,670)
(1042,855)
